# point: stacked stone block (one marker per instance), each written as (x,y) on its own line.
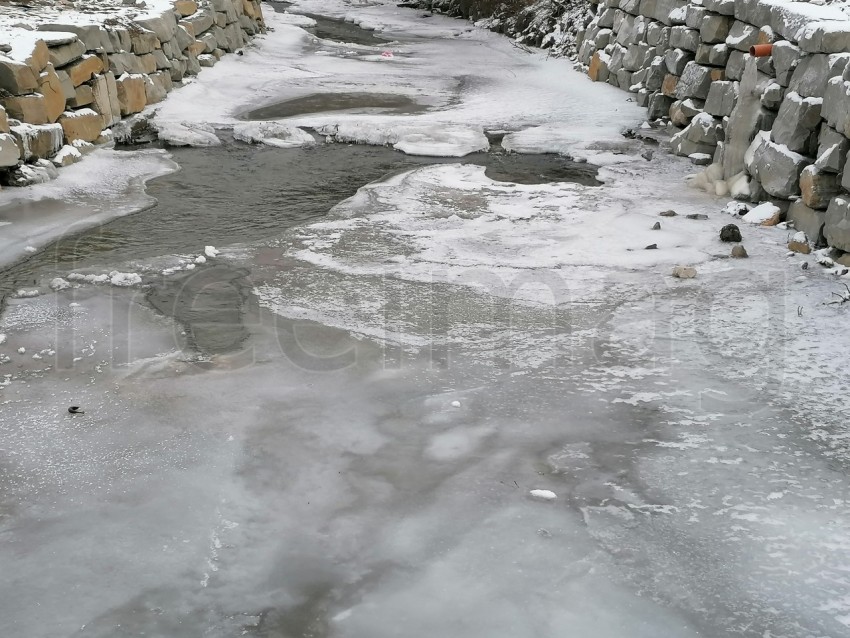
(686,61)
(73,82)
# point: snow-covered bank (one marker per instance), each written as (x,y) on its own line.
(69,74)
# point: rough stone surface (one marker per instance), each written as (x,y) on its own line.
(832,149)
(676,60)
(817,187)
(715,28)
(742,36)
(84,69)
(10,154)
(730,233)
(836,228)
(808,220)
(785,59)
(659,105)
(83,96)
(722,97)
(694,82)
(84,125)
(739,252)
(66,53)
(684,272)
(773,96)
(684,38)
(50,86)
(798,118)
(131,93)
(735,65)
(17,77)
(27,108)
(777,169)
(814,71)
(38,141)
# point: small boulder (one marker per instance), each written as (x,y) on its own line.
(739,252)
(656,226)
(668,213)
(684,272)
(730,233)
(799,247)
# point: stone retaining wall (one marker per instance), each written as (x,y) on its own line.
(770,128)
(63,86)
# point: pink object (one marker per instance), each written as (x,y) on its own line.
(387,54)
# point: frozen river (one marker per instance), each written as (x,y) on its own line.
(333,426)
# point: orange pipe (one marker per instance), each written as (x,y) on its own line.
(761,50)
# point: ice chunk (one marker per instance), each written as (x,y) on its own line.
(124,279)
(187,134)
(455,404)
(275,134)
(211,251)
(545,495)
(59,284)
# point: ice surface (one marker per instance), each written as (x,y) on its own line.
(275,134)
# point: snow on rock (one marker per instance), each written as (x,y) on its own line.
(277,134)
(22,350)
(59,284)
(800,236)
(124,279)
(543,495)
(761,213)
(26,293)
(196,134)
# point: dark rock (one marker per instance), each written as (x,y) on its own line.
(657,226)
(739,252)
(668,213)
(697,216)
(731,233)
(652,247)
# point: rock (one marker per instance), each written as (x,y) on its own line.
(818,187)
(157,86)
(659,106)
(651,247)
(777,168)
(698,216)
(836,228)
(83,70)
(84,124)
(772,96)
(656,226)
(742,36)
(10,154)
(832,150)
(65,54)
(668,213)
(38,141)
(713,55)
(797,120)
(163,25)
(684,38)
(17,77)
(131,93)
(684,272)
(50,86)
(721,99)
(83,96)
(27,108)
(142,41)
(683,111)
(785,59)
(91,36)
(4,121)
(66,156)
(739,252)
(813,72)
(766,214)
(694,82)
(676,60)
(799,247)
(807,220)
(185,8)
(735,65)
(715,28)
(730,233)
(105,99)
(828,37)
(598,69)
(700,159)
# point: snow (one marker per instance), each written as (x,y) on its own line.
(761,213)
(124,279)
(545,495)
(277,134)
(186,133)
(211,251)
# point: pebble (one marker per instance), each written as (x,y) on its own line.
(684,272)
(739,252)
(657,226)
(697,216)
(652,247)
(668,213)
